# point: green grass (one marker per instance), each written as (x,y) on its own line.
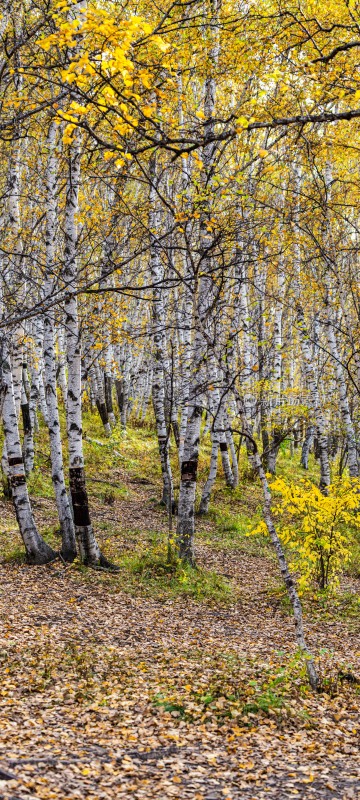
(39,482)
(157,574)
(353,567)
(14,555)
(117,468)
(230,532)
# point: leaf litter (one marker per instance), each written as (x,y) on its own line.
(107,693)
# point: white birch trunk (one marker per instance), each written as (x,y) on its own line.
(16,344)
(61,362)
(276,434)
(232,450)
(319,420)
(186,312)
(28,442)
(276,543)
(99,392)
(88,547)
(306,447)
(343,395)
(189,465)
(206,492)
(158,387)
(309,368)
(37,368)
(224,451)
(37,551)
(333,345)
(68,547)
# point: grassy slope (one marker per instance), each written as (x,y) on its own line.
(159,654)
(124,486)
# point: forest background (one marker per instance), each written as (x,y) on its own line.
(180,372)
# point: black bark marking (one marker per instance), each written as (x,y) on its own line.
(17,480)
(25,411)
(15,460)
(79,497)
(189,470)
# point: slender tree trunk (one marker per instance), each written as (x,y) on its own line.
(314,401)
(186,311)
(276,434)
(284,569)
(108,397)
(232,450)
(308,364)
(68,547)
(61,362)
(99,394)
(28,444)
(189,465)
(88,547)
(37,551)
(306,447)
(343,396)
(158,387)
(206,493)
(224,452)
(332,339)
(287,577)
(37,368)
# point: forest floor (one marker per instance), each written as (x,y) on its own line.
(163,682)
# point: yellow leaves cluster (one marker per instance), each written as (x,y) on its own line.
(97,31)
(99,47)
(68,133)
(318,529)
(242,123)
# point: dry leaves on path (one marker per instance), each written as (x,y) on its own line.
(108,695)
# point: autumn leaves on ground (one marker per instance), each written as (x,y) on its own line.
(161,680)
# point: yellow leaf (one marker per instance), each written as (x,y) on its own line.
(243,122)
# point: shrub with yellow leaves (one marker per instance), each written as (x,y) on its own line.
(318,529)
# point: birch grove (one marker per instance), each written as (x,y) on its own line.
(179,246)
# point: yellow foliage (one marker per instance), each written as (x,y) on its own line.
(321,541)
(317,529)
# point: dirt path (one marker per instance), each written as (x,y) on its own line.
(104,695)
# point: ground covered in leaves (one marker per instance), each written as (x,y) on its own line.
(164,682)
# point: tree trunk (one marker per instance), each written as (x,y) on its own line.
(88,547)
(158,386)
(321,435)
(206,493)
(37,551)
(28,444)
(68,547)
(306,447)
(189,464)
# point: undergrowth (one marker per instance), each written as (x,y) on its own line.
(158,573)
(117,469)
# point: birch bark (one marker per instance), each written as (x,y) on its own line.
(309,369)
(68,547)
(158,387)
(276,435)
(276,543)
(88,547)
(28,443)
(189,464)
(37,550)
(332,340)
